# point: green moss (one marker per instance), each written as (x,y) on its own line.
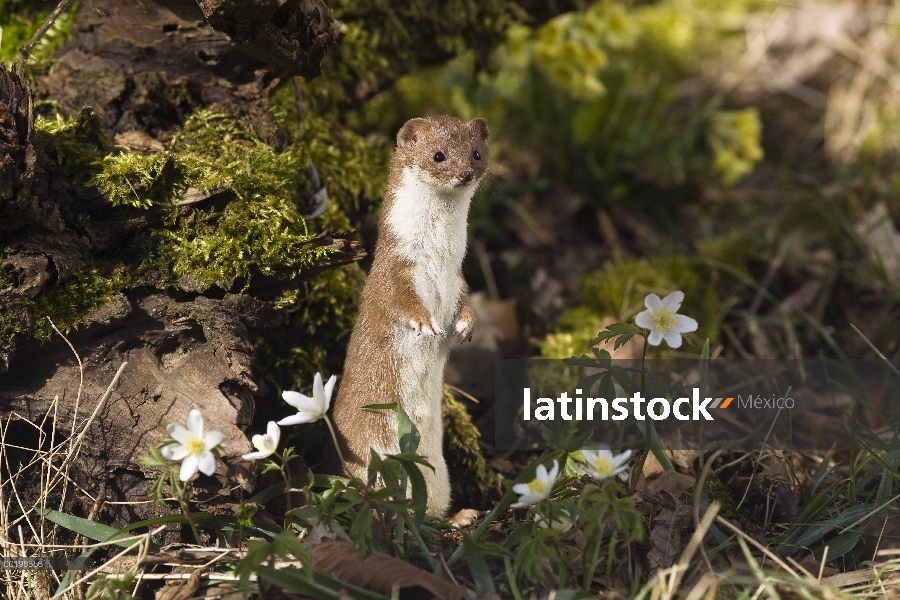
(381,43)
(20,20)
(618,290)
(319,331)
(468,472)
(354,168)
(66,305)
(259,231)
(717,492)
(77,143)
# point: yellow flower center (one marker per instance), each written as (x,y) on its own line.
(664,320)
(537,486)
(195,446)
(264,444)
(603,465)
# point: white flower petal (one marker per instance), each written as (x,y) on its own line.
(684,324)
(207,463)
(521,488)
(211,439)
(329,388)
(621,459)
(551,478)
(589,457)
(319,392)
(195,423)
(541,472)
(173,451)
(673,339)
(644,319)
(188,468)
(177,432)
(529,499)
(298,400)
(673,301)
(654,338)
(299,418)
(274,432)
(256,455)
(652,302)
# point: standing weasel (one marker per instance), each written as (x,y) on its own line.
(415,303)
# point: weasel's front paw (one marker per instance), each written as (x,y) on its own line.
(427,326)
(465,324)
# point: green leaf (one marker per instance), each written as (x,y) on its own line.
(815,532)
(406,431)
(889,471)
(481,575)
(603,357)
(583,361)
(385,406)
(815,505)
(317,586)
(90,529)
(624,379)
(822,472)
(588,382)
(839,545)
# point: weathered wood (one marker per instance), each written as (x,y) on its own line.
(143,66)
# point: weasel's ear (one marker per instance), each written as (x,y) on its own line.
(410,133)
(481,127)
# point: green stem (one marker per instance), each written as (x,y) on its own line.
(635,476)
(182,494)
(286,474)
(387,536)
(337,446)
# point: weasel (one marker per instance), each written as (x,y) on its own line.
(415,302)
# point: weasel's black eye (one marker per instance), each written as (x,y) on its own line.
(439,157)
(476,155)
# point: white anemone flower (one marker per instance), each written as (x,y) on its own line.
(604,463)
(562,524)
(662,320)
(267,444)
(309,409)
(192,447)
(538,489)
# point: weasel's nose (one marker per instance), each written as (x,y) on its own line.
(466,176)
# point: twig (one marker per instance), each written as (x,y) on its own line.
(25,50)
(775,558)
(695,543)
(463,393)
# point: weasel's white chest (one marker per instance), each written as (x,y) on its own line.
(430,225)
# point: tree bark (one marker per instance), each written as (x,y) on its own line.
(143,66)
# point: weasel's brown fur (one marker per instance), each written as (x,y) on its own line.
(415,302)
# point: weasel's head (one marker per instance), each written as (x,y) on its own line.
(445,152)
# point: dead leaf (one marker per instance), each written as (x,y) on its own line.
(667,534)
(652,468)
(673,482)
(139,141)
(181,590)
(882,239)
(379,572)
